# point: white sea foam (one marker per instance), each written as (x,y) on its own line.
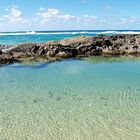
(20,33)
(68,33)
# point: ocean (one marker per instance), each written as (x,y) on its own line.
(93,98)
(12,38)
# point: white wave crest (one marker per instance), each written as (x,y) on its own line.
(20,33)
(68,33)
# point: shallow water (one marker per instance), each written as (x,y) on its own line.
(90,99)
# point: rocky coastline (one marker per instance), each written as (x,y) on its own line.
(114,45)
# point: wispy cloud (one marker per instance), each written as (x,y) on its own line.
(14,15)
(128,20)
(89,18)
(13,18)
(52,15)
(51,18)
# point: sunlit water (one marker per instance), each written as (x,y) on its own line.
(91,99)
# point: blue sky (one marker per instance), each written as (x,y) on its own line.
(18,15)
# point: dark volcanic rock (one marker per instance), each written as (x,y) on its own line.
(6,59)
(0,52)
(23,49)
(72,47)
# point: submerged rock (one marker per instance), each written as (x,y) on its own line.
(72,47)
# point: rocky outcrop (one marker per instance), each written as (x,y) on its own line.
(6,59)
(72,47)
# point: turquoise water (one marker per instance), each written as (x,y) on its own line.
(94,98)
(12,38)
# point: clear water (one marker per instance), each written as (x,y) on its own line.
(91,99)
(12,38)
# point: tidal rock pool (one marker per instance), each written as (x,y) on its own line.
(94,98)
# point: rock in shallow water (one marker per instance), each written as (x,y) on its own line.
(72,47)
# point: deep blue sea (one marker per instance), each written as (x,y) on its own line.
(94,98)
(11,38)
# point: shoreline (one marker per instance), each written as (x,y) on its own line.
(101,45)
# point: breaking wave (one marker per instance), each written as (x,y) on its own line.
(67,32)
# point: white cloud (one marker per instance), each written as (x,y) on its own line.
(129,20)
(14,19)
(52,18)
(14,15)
(89,18)
(54,15)
(51,14)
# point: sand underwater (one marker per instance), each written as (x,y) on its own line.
(94,98)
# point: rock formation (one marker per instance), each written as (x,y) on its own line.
(114,45)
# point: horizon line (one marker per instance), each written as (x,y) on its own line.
(72,30)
